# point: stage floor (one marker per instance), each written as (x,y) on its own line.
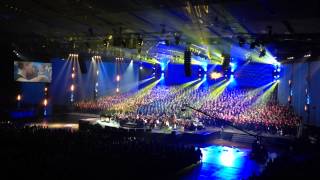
(222,162)
(71,120)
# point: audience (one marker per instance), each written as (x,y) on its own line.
(89,153)
(298,161)
(250,109)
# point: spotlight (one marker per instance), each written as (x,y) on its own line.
(118,78)
(18,97)
(45,102)
(72,87)
(215,75)
(231,77)
(307,55)
(117,90)
(232,66)
(290,58)
(262,52)
(141,67)
(162,76)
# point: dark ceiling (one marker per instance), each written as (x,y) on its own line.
(292,23)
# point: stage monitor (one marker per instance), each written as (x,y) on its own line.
(25,71)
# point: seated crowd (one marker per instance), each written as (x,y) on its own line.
(90,153)
(299,161)
(251,109)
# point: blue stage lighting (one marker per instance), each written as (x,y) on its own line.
(204,65)
(164,63)
(231,78)
(233,66)
(308,99)
(162,76)
(227,157)
(205,77)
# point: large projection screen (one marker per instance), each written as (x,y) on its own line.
(25,71)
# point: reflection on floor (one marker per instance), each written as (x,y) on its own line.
(221,162)
(52,125)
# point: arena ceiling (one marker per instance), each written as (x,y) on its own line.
(294,24)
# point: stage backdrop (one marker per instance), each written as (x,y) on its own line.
(131,78)
(298,73)
(59,88)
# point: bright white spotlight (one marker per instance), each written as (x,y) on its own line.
(45,102)
(233,66)
(162,76)
(307,55)
(118,78)
(227,157)
(215,75)
(18,97)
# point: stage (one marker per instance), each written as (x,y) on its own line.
(208,136)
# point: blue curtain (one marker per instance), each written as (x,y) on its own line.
(298,73)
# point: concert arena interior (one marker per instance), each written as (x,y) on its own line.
(160,89)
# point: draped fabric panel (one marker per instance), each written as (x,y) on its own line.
(298,73)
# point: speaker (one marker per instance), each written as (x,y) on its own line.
(82,64)
(226,63)
(187,63)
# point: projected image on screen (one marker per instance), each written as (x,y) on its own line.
(32,71)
